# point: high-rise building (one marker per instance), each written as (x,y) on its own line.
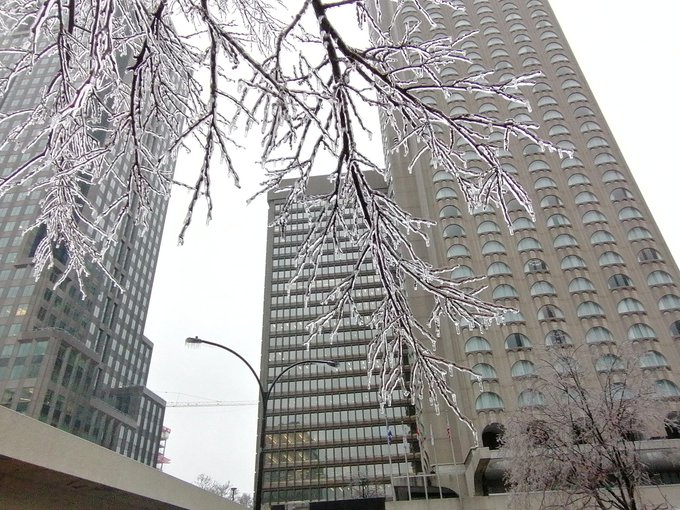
(78,361)
(591,271)
(326,437)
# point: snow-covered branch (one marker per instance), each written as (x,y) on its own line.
(130,82)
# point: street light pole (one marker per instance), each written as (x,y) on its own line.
(264,399)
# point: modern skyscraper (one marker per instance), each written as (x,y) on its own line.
(77,361)
(327,438)
(592,271)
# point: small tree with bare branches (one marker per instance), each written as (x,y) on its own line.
(578,445)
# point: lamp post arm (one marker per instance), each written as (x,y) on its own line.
(232,351)
(285,370)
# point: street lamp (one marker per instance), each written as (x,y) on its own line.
(264,399)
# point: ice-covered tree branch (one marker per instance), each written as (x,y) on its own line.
(131,82)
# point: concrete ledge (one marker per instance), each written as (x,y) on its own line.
(43,467)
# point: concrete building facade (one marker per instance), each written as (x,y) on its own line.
(74,358)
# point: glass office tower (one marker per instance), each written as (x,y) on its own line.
(78,361)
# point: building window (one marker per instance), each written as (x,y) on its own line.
(523,368)
(535,266)
(488,401)
(517,341)
(558,338)
(477,344)
(598,335)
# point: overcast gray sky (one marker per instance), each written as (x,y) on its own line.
(212,286)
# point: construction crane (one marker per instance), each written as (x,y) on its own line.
(211,403)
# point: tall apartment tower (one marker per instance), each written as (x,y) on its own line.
(592,271)
(326,437)
(78,362)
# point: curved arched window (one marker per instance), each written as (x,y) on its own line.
(589,309)
(517,341)
(462,272)
(604,159)
(531,149)
(550,312)
(511,317)
(457,250)
(613,176)
(523,223)
(620,194)
(570,84)
(629,305)
(578,179)
(648,255)
(442,175)
(498,269)
(529,243)
(576,97)
(558,220)
(609,363)
(619,281)
(641,331)
(610,258)
(547,101)
(523,368)
(597,141)
(488,401)
(585,197)
(675,329)
(583,111)
(488,227)
(639,234)
(564,71)
(630,213)
(538,165)
(495,41)
(543,288)
(493,247)
(454,231)
(450,211)
(551,201)
(477,344)
(572,262)
(517,27)
(553,115)
(589,126)
(659,278)
(599,335)
(601,237)
(485,371)
(445,193)
(544,183)
(557,337)
(564,241)
(669,302)
(488,107)
(581,284)
(653,359)
(535,266)
(667,388)
(572,162)
(557,130)
(505,291)
(530,398)
(594,217)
